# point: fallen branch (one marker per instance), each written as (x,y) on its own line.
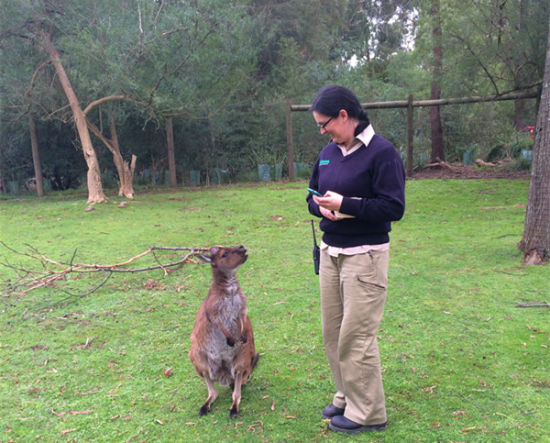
(481,162)
(539,304)
(439,164)
(52,271)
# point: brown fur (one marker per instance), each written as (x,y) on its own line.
(222,342)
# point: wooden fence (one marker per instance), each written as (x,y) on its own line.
(409,104)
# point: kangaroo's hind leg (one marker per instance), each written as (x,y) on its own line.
(236,395)
(212,396)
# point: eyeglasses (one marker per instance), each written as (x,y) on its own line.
(324,125)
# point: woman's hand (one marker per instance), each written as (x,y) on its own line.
(329,203)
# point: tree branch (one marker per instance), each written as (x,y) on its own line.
(103,100)
(478,59)
(53,271)
(539,304)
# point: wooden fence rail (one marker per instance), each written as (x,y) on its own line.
(409,104)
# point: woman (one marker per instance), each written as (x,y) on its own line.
(361,178)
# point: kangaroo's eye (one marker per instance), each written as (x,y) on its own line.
(224,254)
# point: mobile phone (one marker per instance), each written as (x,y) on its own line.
(313,191)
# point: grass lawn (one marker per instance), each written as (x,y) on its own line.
(461,362)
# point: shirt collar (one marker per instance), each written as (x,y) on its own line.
(364,138)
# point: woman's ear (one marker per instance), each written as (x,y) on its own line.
(343,114)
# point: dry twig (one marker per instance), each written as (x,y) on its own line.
(538,304)
(439,164)
(54,270)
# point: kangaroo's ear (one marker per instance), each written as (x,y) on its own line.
(209,258)
(204,258)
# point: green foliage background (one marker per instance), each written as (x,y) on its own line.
(225,70)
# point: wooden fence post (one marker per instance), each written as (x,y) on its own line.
(289,140)
(410,133)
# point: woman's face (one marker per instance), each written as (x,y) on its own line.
(339,127)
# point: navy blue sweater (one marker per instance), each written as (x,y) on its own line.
(374,173)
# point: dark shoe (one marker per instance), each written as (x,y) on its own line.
(339,423)
(332,411)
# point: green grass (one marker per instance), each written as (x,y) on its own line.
(460,361)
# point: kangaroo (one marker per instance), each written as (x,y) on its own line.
(222,342)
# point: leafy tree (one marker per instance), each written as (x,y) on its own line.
(18,83)
(222,72)
(195,69)
(485,42)
(41,31)
(375,30)
(311,27)
(480,41)
(35,24)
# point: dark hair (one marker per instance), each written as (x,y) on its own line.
(330,99)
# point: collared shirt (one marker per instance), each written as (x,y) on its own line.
(361,139)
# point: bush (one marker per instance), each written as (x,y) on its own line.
(511,147)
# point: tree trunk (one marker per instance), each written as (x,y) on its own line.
(124,169)
(535,243)
(95,188)
(171,151)
(438,153)
(36,158)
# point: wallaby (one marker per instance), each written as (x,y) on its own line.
(222,342)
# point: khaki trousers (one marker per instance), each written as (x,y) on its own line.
(353,294)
